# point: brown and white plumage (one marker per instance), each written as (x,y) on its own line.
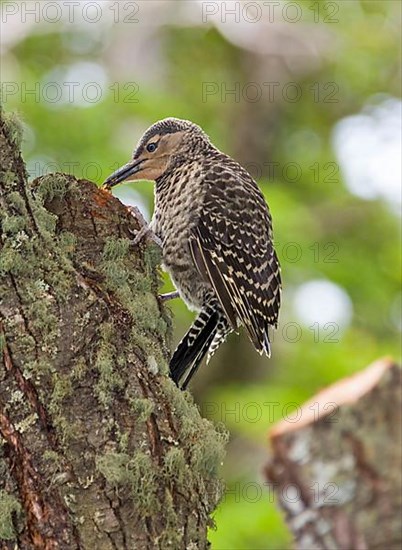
(216,235)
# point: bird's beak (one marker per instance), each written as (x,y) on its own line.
(123,173)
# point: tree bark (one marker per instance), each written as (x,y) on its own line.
(337,469)
(98,448)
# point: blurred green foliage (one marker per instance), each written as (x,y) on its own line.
(322,230)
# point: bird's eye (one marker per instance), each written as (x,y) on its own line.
(151,147)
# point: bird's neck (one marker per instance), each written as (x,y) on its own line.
(183,166)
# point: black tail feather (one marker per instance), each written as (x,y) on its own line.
(192,349)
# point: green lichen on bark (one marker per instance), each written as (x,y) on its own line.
(12,517)
(115,249)
(136,292)
(14,127)
(190,464)
(137,473)
(30,258)
(142,408)
(175,465)
(105,361)
(53,186)
(10,510)
(66,242)
(202,442)
(172,536)
(152,258)
(134,288)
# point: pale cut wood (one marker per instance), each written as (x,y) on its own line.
(337,471)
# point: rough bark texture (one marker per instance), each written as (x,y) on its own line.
(337,471)
(98,449)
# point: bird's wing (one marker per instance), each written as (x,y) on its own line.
(233,250)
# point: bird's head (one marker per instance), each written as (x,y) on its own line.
(158,149)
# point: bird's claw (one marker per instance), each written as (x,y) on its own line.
(137,214)
(145,230)
(139,236)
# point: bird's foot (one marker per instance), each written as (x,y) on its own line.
(169,296)
(137,214)
(145,230)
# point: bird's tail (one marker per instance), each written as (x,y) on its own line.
(193,347)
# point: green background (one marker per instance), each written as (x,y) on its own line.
(337,62)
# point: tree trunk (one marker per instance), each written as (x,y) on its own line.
(337,468)
(98,448)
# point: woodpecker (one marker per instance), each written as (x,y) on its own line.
(215,231)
